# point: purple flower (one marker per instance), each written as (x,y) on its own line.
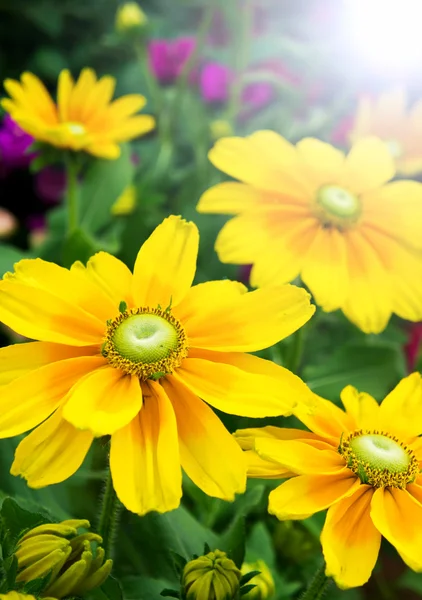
(14,143)
(50,184)
(214,82)
(168,57)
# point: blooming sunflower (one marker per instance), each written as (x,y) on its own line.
(130,356)
(310,211)
(84,117)
(388,118)
(363,464)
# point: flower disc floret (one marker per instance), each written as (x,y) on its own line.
(337,206)
(379,459)
(147,342)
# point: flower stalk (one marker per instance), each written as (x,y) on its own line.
(318,586)
(109,516)
(72,193)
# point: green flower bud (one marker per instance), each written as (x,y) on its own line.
(16,596)
(264,582)
(71,561)
(211,577)
(130,18)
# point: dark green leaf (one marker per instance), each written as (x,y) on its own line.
(79,246)
(9,255)
(233,541)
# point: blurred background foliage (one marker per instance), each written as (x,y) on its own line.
(280,65)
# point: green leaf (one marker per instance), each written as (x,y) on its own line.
(15,521)
(233,541)
(144,588)
(110,590)
(102,184)
(373,369)
(9,255)
(79,246)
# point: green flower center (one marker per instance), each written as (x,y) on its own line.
(146,342)
(379,459)
(338,203)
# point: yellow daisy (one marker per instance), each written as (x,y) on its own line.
(363,464)
(84,117)
(399,127)
(308,210)
(138,357)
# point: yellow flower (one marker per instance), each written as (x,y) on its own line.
(84,117)
(363,464)
(126,202)
(264,582)
(56,549)
(130,17)
(130,356)
(310,211)
(211,577)
(401,129)
(17,596)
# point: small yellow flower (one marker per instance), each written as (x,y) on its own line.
(126,202)
(139,357)
(84,118)
(363,464)
(309,210)
(211,577)
(264,582)
(220,128)
(130,17)
(400,128)
(56,549)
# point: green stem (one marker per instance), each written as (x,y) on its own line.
(296,352)
(241,53)
(152,85)
(109,516)
(72,192)
(318,586)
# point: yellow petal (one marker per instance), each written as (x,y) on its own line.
(249,322)
(41,100)
(126,106)
(132,128)
(350,541)
(369,165)
(400,411)
(166,264)
(106,150)
(322,163)
(209,454)
(211,292)
(246,437)
(19,359)
(242,384)
(370,302)
(324,418)
(244,239)
(398,517)
(299,457)
(27,401)
(98,100)
(264,160)
(51,453)
(260,468)
(103,401)
(80,93)
(302,496)
(112,275)
(363,409)
(229,198)
(64,91)
(144,457)
(325,269)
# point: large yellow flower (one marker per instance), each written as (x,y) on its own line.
(401,129)
(131,356)
(363,464)
(310,211)
(84,117)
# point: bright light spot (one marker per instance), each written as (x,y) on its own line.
(387,34)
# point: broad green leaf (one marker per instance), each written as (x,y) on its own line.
(9,255)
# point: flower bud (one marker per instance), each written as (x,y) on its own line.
(57,550)
(130,17)
(211,577)
(126,202)
(264,582)
(220,128)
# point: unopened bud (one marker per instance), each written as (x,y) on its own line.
(57,550)
(130,18)
(220,128)
(211,577)
(264,582)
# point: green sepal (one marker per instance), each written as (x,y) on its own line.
(246,588)
(170,593)
(248,576)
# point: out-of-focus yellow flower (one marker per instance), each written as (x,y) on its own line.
(264,582)
(213,576)
(126,202)
(388,117)
(130,17)
(309,210)
(363,464)
(220,128)
(139,357)
(84,118)
(56,549)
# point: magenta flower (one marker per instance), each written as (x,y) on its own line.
(14,143)
(413,346)
(168,57)
(50,184)
(214,82)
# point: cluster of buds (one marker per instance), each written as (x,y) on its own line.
(69,561)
